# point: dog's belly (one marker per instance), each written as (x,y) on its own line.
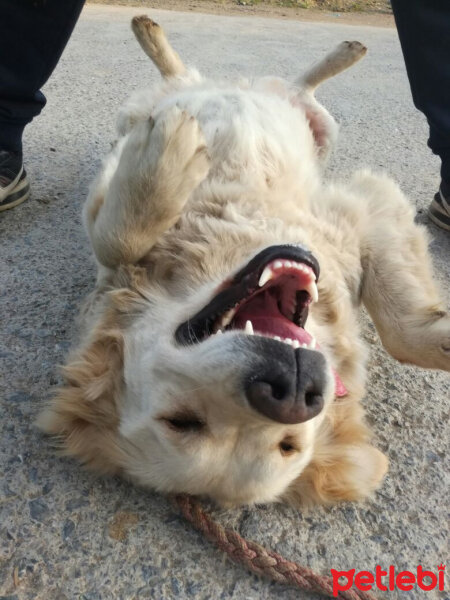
(249,134)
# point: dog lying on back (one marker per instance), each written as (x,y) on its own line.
(221,353)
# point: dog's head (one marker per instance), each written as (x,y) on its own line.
(212,382)
(224,398)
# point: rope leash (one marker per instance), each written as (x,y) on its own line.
(257,559)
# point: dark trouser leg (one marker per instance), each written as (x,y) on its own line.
(424,31)
(33,34)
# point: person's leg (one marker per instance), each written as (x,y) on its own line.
(33,35)
(424,32)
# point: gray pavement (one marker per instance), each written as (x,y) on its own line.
(67,534)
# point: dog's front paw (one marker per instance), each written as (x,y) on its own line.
(168,154)
(184,159)
(437,344)
(425,344)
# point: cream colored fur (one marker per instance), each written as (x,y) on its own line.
(204,176)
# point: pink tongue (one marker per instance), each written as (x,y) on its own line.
(273,326)
(339,387)
(266,318)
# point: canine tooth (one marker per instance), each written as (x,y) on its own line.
(227,317)
(296,344)
(266,276)
(277,264)
(312,290)
(312,343)
(218,331)
(249,328)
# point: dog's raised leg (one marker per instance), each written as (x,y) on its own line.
(157,167)
(323,126)
(397,287)
(153,41)
(342,57)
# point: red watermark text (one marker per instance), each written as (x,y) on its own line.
(388,580)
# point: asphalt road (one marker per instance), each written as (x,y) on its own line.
(67,534)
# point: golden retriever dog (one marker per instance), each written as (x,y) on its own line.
(220,352)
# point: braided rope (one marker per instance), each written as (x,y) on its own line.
(257,559)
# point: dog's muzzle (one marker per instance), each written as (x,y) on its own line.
(267,301)
(284,384)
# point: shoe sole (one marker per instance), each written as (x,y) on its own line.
(18,195)
(438,214)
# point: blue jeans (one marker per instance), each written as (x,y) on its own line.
(33,34)
(424,32)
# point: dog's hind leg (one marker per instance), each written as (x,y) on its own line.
(323,126)
(153,41)
(397,285)
(342,57)
(144,186)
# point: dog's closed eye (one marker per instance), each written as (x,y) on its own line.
(184,422)
(287,447)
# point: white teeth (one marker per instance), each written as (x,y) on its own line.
(266,276)
(295,343)
(312,290)
(227,317)
(248,328)
(269,274)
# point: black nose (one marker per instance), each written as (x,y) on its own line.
(289,391)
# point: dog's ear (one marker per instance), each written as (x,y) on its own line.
(344,467)
(84,414)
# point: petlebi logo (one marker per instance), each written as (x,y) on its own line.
(389,580)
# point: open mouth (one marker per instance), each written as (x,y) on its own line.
(270,296)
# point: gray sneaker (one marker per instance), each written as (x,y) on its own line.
(14,184)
